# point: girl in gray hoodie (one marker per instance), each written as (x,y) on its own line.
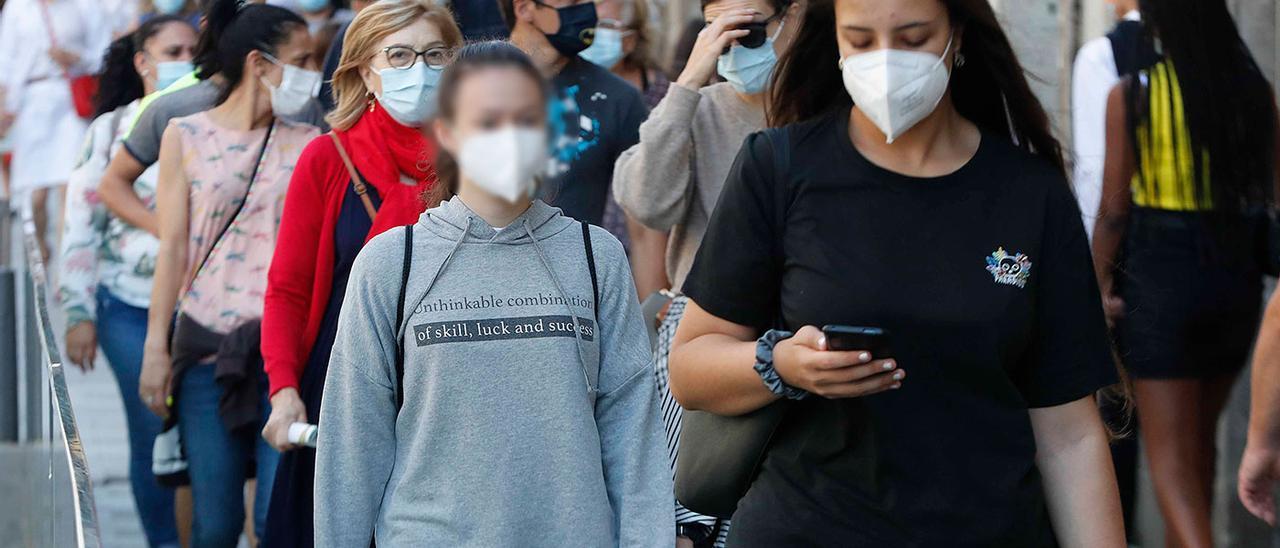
(490,383)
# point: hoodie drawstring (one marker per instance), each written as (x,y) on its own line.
(405,324)
(577,329)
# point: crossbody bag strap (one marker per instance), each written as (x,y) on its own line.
(404,286)
(53,37)
(253,176)
(362,190)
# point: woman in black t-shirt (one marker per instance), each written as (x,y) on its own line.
(936,209)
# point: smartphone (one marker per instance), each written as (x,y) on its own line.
(871,339)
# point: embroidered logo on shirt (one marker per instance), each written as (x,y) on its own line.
(1009,269)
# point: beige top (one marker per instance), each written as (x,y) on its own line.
(672,178)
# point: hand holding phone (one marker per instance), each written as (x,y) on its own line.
(808,361)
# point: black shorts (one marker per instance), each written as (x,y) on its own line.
(1192,304)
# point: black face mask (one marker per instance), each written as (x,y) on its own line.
(577,28)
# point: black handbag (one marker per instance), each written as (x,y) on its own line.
(719,456)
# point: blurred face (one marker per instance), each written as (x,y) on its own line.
(296,50)
(1121,7)
(916,25)
(788,21)
(175,42)
(542,13)
(491,99)
(399,50)
(619,15)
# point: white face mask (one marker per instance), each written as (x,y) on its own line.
(896,88)
(505,162)
(298,86)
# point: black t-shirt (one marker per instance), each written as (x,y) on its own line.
(983,279)
(595,118)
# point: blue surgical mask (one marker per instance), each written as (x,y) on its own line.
(312,6)
(409,95)
(168,72)
(168,7)
(748,69)
(606,50)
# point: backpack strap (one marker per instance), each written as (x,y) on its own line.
(404,285)
(357,182)
(591,266)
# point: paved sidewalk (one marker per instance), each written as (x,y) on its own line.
(100,417)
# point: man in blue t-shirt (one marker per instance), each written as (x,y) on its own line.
(595,116)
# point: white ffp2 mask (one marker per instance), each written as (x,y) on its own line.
(896,88)
(298,86)
(505,162)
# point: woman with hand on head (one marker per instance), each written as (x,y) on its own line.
(671,180)
(974,423)
(223,177)
(490,381)
(105,280)
(366,177)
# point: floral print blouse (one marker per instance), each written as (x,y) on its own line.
(98,249)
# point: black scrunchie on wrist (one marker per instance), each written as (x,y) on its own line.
(764,365)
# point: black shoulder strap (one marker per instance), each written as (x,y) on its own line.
(404,285)
(591,265)
(253,176)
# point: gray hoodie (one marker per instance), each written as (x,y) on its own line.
(513,431)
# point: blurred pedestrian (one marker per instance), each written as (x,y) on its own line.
(969,418)
(196,91)
(1098,67)
(223,178)
(623,44)
(325,18)
(186,9)
(364,178)
(1176,244)
(45,47)
(1260,465)
(671,180)
(594,116)
(490,381)
(107,265)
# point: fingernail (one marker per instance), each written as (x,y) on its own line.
(896,386)
(898,376)
(888,366)
(822,342)
(864,357)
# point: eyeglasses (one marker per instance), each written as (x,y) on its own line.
(404,57)
(614,24)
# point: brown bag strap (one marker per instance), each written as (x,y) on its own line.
(362,190)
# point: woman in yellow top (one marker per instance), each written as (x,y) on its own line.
(1190,163)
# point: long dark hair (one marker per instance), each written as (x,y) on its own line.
(1226,102)
(469,60)
(120,83)
(239,28)
(990,89)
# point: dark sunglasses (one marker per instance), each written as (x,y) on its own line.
(757,32)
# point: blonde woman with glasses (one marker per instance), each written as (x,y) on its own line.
(368,175)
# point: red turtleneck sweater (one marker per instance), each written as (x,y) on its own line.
(301,275)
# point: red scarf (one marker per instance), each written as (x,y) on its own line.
(383,150)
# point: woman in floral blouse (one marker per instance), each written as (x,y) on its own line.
(108,264)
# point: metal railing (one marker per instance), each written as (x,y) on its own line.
(45,469)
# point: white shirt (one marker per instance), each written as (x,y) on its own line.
(25,42)
(1093,76)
